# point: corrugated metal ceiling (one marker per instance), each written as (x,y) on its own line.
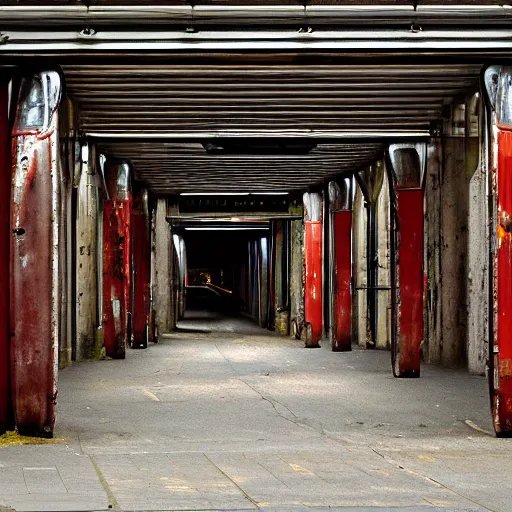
(155,81)
(327,103)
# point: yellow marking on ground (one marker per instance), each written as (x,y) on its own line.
(300,469)
(179,488)
(12,438)
(426,458)
(151,395)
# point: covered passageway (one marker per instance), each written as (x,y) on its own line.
(193,195)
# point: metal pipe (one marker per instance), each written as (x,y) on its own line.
(182,135)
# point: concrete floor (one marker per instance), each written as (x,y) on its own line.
(230,421)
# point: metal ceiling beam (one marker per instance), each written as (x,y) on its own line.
(376,41)
(250,14)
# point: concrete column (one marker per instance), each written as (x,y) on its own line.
(281,311)
(478,239)
(450,170)
(263,312)
(382,219)
(359,304)
(296,274)
(433,334)
(163,271)
(87,210)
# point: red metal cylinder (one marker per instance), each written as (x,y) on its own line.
(140,273)
(342,314)
(35,270)
(116,276)
(5,241)
(502,353)
(313,307)
(117,262)
(410,280)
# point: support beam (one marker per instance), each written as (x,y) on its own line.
(116,261)
(341,211)
(281,282)
(162,284)
(408,163)
(87,212)
(313,254)
(5,241)
(296,274)
(35,300)
(141,250)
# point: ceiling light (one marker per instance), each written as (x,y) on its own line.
(234,228)
(214,194)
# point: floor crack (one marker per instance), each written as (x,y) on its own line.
(231,480)
(393,462)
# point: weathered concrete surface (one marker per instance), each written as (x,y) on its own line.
(228,421)
(163,270)
(360,273)
(296,274)
(87,211)
(478,259)
(383,277)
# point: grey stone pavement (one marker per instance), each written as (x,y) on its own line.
(247,420)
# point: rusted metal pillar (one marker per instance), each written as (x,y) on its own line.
(35,298)
(497,81)
(313,254)
(340,199)
(5,200)
(116,260)
(408,163)
(140,270)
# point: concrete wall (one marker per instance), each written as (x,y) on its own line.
(359,306)
(163,270)
(456,248)
(296,273)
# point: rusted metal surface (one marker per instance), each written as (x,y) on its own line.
(34,257)
(342,311)
(313,240)
(5,199)
(502,353)
(140,270)
(410,282)
(116,261)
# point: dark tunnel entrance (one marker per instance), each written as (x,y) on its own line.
(227,274)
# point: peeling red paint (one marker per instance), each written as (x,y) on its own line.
(33,344)
(342,319)
(141,277)
(5,199)
(116,276)
(410,278)
(313,280)
(502,413)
